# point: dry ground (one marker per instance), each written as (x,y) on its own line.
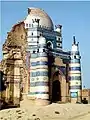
(51,112)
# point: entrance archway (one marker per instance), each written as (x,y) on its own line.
(56,91)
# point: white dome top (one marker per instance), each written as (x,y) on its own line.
(36,13)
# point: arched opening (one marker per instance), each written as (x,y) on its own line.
(56,91)
(49,45)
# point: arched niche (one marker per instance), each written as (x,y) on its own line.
(49,45)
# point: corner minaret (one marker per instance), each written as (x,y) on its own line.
(38,83)
(75,73)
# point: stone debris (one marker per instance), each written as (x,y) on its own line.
(56,112)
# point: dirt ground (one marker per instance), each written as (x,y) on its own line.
(50,112)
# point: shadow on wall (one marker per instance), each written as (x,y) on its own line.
(2,84)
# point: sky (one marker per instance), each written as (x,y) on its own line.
(73,16)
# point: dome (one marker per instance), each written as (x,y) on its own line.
(36,13)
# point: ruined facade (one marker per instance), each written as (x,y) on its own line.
(86,94)
(35,66)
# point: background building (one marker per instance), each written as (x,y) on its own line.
(86,95)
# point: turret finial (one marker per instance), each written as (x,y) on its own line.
(29,10)
(74,41)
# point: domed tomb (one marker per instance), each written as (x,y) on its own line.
(44,19)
